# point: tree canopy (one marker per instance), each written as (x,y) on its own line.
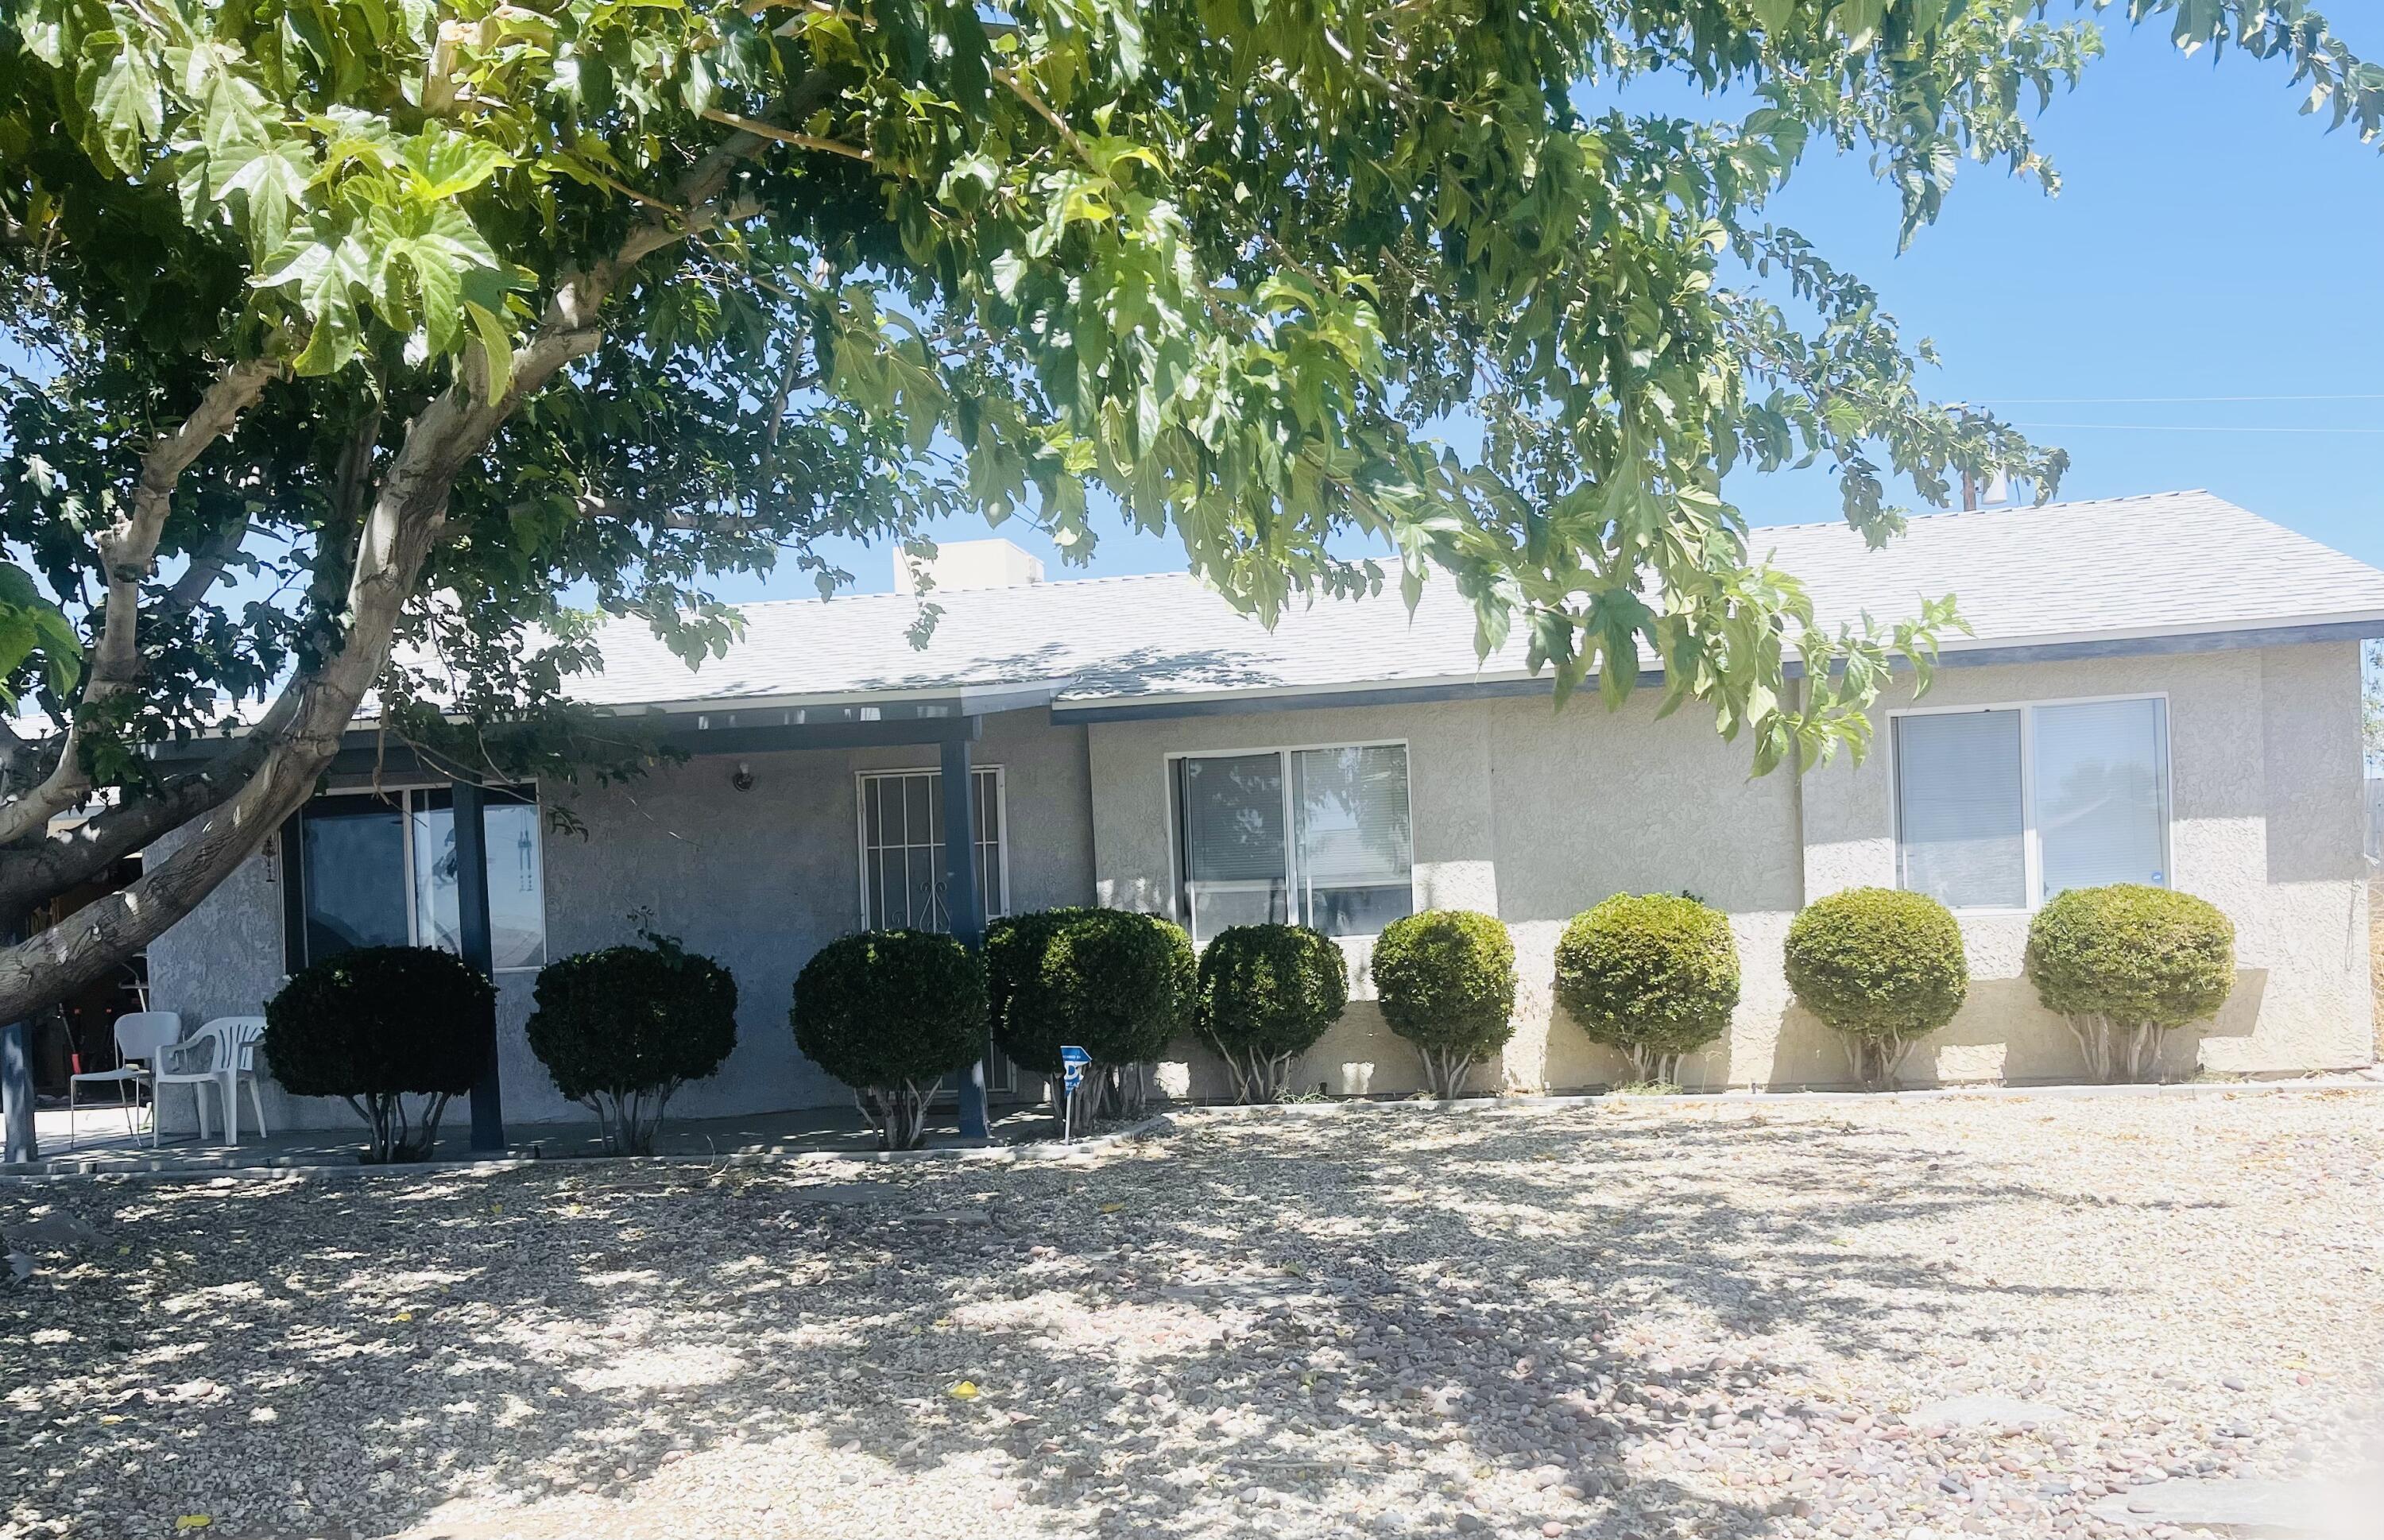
(358,333)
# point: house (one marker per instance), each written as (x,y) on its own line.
(2161,688)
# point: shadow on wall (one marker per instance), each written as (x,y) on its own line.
(615,1335)
(2002,1034)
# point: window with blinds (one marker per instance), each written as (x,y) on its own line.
(1320,837)
(902,849)
(1959,809)
(2004,808)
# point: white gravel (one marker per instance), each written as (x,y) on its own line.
(1636,1320)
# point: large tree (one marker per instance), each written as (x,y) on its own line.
(355,334)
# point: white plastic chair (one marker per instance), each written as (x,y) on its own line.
(141,1037)
(226,1047)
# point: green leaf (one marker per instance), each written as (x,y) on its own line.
(436,247)
(272,180)
(30,624)
(322,277)
(496,347)
(447,163)
(126,107)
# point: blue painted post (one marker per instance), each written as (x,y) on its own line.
(17,1091)
(479,948)
(963,908)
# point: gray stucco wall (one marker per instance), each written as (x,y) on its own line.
(2266,822)
(1527,811)
(1536,815)
(759,879)
(1520,808)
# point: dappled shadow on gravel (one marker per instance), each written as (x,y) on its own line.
(1337,1325)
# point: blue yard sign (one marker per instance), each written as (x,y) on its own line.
(1074,1061)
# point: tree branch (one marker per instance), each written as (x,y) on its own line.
(80,854)
(309,719)
(206,570)
(127,549)
(786,136)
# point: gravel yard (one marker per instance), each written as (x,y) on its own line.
(1637,1319)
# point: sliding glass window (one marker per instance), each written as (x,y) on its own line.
(1319,837)
(380,871)
(2004,807)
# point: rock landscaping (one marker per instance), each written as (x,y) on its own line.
(1640,1319)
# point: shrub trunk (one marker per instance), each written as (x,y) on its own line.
(1654,1066)
(1877,1061)
(629,1120)
(1445,1071)
(899,1112)
(394,1137)
(2118,1053)
(1260,1077)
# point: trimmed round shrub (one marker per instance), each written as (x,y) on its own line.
(2125,964)
(377,1025)
(1655,974)
(1015,946)
(623,1028)
(1447,982)
(1882,968)
(890,1012)
(1118,984)
(1268,992)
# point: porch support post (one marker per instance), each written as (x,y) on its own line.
(17,1091)
(479,948)
(963,909)
(19,1143)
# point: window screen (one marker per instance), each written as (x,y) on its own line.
(355,877)
(517,890)
(1236,867)
(2092,809)
(2102,793)
(1333,853)
(1356,873)
(1961,831)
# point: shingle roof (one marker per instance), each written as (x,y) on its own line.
(2167,563)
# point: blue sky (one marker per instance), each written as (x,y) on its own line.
(2209,241)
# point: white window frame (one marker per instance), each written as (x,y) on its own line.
(405,796)
(2031,844)
(998,904)
(1171,771)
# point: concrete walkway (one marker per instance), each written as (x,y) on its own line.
(102,1145)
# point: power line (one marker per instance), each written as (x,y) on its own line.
(2178,427)
(2155,401)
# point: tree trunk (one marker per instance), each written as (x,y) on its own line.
(900,1112)
(1875,1060)
(1445,1072)
(299,734)
(1261,1078)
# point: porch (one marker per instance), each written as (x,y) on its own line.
(743,844)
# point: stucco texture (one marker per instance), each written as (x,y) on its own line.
(1537,813)
(1518,809)
(759,879)
(2266,822)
